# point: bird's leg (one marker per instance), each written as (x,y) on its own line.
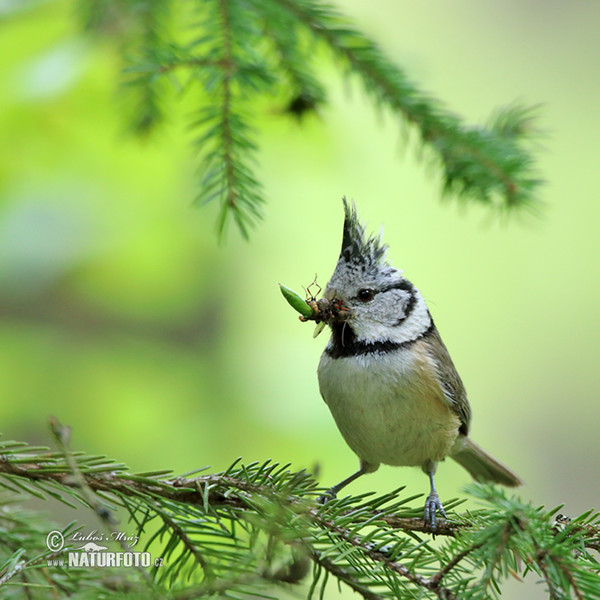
(333,492)
(433,504)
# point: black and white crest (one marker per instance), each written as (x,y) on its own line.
(393,314)
(361,253)
(357,247)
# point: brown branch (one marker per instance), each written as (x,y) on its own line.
(572,581)
(343,575)
(193,492)
(437,578)
(218,487)
(382,557)
(541,562)
(443,528)
(224,490)
(10,573)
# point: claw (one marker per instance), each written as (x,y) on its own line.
(332,493)
(433,505)
(326,497)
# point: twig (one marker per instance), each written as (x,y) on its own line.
(227,136)
(19,462)
(62,436)
(343,575)
(191,491)
(443,528)
(415,107)
(541,562)
(10,573)
(185,540)
(437,578)
(382,557)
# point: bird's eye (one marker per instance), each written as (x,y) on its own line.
(365,294)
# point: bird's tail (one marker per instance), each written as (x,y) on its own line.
(482,466)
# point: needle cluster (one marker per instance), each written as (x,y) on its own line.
(256,529)
(231,55)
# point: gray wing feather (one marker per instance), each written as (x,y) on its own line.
(450,381)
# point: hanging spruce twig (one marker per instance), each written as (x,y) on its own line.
(237,52)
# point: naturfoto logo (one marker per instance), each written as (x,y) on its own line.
(94,553)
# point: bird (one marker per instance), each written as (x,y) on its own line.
(386,375)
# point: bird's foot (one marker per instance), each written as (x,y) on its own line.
(433,505)
(326,497)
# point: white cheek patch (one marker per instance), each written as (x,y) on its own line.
(415,324)
(387,320)
(400,305)
(387,308)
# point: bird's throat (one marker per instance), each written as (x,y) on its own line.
(344,342)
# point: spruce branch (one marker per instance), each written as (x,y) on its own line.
(24,555)
(14,567)
(243,51)
(344,576)
(476,162)
(255,526)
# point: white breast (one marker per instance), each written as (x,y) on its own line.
(389,407)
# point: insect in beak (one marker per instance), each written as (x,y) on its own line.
(330,312)
(324,310)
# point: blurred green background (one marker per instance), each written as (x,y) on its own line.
(122,315)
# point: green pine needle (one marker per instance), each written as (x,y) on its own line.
(230,54)
(256,527)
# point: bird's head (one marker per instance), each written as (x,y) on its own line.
(371,297)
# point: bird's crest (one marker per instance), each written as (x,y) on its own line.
(357,247)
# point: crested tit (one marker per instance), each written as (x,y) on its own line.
(386,375)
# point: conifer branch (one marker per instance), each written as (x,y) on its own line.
(222,490)
(231,190)
(376,554)
(437,579)
(268,528)
(342,575)
(491,163)
(16,568)
(244,51)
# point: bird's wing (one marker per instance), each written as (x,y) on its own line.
(449,380)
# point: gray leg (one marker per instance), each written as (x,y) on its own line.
(433,504)
(333,492)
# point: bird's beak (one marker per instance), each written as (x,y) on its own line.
(320,326)
(331,311)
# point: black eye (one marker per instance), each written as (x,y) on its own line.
(365,294)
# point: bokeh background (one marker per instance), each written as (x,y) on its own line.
(122,315)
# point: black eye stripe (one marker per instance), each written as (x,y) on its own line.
(405,285)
